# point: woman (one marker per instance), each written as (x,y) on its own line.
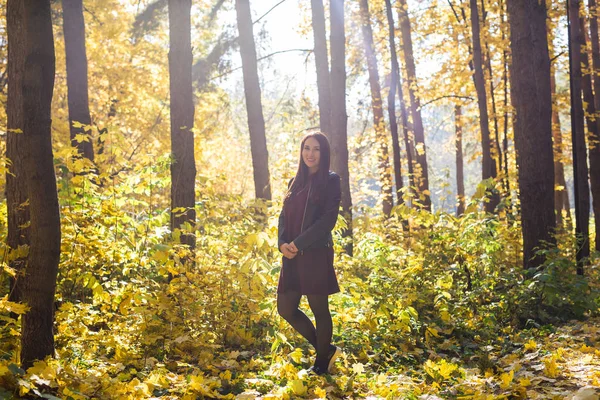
(309,213)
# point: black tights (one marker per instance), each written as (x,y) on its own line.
(320,338)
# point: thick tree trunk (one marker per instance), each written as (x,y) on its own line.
(77,78)
(322,65)
(421,172)
(37,339)
(16,184)
(593,129)
(580,168)
(561,195)
(183,165)
(377,104)
(339,118)
(530,83)
(395,74)
(488,164)
(594,142)
(256,121)
(460,177)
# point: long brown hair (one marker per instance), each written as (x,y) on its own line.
(319,179)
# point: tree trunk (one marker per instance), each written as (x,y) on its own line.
(594,142)
(395,74)
(256,121)
(183,165)
(378,121)
(422,174)
(488,64)
(530,83)
(561,195)
(322,65)
(580,168)
(339,118)
(460,177)
(16,184)
(506,106)
(593,131)
(77,78)
(488,164)
(37,339)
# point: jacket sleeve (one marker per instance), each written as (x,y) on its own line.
(281,225)
(327,220)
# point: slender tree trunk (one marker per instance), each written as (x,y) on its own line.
(530,83)
(339,118)
(378,121)
(593,129)
(580,168)
(460,177)
(422,174)
(561,195)
(408,141)
(594,142)
(488,63)
(16,184)
(506,106)
(37,339)
(256,121)
(498,156)
(392,103)
(77,78)
(183,165)
(487,163)
(322,64)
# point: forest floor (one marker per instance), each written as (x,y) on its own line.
(554,363)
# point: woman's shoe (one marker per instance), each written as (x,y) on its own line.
(334,353)
(315,369)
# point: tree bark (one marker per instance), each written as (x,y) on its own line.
(594,142)
(183,164)
(256,121)
(561,195)
(16,184)
(530,83)
(460,177)
(421,172)
(77,78)
(37,339)
(322,65)
(395,74)
(506,107)
(488,164)
(580,168)
(377,104)
(593,129)
(339,118)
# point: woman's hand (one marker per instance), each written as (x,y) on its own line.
(287,251)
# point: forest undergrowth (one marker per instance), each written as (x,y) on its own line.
(431,306)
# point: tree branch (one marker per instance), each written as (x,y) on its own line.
(451,96)
(260,59)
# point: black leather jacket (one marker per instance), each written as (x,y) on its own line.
(318,221)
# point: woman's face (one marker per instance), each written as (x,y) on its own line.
(311,154)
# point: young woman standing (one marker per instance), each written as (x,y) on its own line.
(309,213)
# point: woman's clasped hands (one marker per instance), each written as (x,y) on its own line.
(289,250)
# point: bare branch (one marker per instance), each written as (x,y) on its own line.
(448,97)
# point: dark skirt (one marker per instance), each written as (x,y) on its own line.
(309,273)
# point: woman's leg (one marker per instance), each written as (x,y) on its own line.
(319,305)
(287,306)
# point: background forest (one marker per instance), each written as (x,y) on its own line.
(148,145)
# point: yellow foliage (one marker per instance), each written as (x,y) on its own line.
(506,379)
